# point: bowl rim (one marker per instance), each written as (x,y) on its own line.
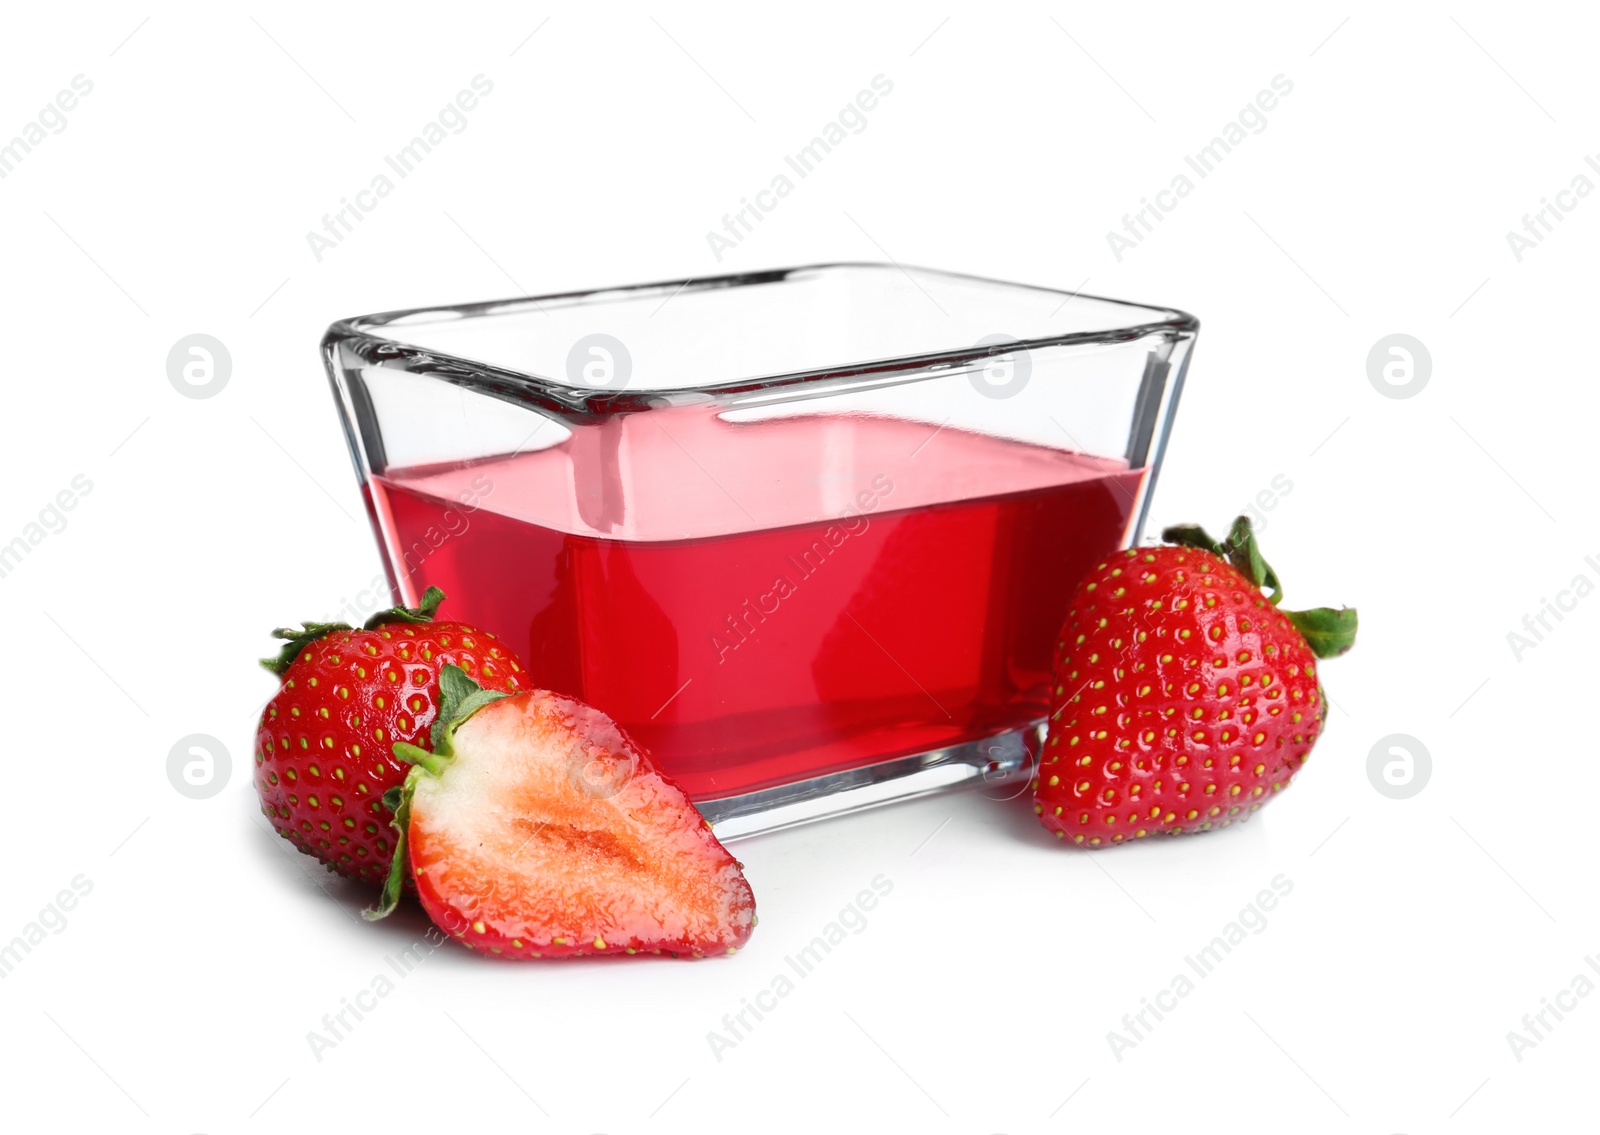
(364,338)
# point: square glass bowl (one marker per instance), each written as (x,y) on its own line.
(807,534)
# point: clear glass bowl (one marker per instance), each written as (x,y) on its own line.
(807,534)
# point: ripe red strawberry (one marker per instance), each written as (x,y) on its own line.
(536,828)
(1185,698)
(324,747)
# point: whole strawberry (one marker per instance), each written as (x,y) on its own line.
(1185,699)
(325,743)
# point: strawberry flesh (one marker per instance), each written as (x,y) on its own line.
(549,834)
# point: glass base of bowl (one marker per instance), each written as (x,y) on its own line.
(1002,761)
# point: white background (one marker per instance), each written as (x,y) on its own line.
(1418,932)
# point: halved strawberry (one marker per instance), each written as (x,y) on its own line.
(536,828)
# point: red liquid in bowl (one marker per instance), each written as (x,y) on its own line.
(750,617)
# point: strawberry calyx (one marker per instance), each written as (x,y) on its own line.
(459,698)
(294,641)
(1328,631)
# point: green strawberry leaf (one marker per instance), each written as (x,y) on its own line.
(1327,631)
(390,898)
(1192,536)
(1239,549)
(296,641)
(422,613)
(1245,555)
(459,698)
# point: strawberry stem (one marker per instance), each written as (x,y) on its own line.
(1328,631)
(412,755)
